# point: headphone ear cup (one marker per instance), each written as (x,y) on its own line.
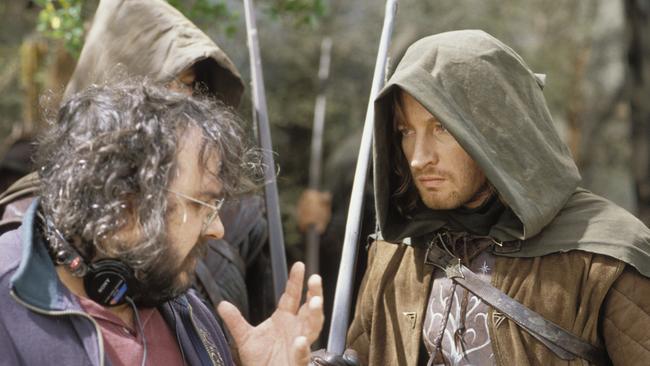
(109,281)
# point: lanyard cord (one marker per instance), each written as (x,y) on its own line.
(140,329)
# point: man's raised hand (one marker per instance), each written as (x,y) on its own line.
(285,337)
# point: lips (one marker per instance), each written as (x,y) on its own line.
(431,181)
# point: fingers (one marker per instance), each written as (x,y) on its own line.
(314,286)
(234,321)
(290,299)
(312,312)
(313,318)
(300,352)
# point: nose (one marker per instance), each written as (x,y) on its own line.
(425,152)
(215,230)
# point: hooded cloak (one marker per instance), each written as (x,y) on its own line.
(153,39)
(493,104)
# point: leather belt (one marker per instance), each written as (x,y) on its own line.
(563,343)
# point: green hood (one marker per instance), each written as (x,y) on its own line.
(151,38)
(493,104)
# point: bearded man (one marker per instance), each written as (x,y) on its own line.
(133,178)
(475,190)
(152,39)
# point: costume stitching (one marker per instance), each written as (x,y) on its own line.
(631,301)
(613,324)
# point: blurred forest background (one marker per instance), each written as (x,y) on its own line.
(596,54)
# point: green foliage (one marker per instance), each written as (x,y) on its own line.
(206,12)
(62,20)
(301,12)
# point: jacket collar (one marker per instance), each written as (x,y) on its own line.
(36,281)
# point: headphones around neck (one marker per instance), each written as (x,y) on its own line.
(108,282)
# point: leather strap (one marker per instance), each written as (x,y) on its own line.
(27,185)
(563,343)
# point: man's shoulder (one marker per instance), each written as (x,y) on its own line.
(593,224)
(380,250)
(592,218)
(384,255)
(584,204)
(11,250)
(10,255)
(11,233)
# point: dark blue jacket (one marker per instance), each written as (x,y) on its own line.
(42,323)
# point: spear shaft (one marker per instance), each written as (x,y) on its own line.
(313,239)
(344,284)
(260,115)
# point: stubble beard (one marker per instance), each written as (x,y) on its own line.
(441,200)
(455,193)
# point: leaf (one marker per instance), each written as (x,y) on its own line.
(55,22)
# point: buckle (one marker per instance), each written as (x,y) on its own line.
(507,247)
(443,259)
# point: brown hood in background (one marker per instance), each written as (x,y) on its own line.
(150,38)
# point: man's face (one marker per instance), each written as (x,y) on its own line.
(186,236)
(186,218)
(446,177)
(184,82)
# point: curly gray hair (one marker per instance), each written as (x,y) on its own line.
(110,154)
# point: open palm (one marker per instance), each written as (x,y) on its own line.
(284,338)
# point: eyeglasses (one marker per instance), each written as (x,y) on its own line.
(215,208)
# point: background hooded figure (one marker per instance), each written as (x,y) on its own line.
(152,39)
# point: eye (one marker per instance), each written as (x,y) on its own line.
(439,128)
(197,206)
(405,131)
(218,203)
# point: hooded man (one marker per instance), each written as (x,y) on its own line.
(99,270)
(474,189)
(153,39)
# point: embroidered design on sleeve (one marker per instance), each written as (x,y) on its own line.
(412,316)
(497,318)
(485,269)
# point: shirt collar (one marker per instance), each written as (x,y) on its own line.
(36,281)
